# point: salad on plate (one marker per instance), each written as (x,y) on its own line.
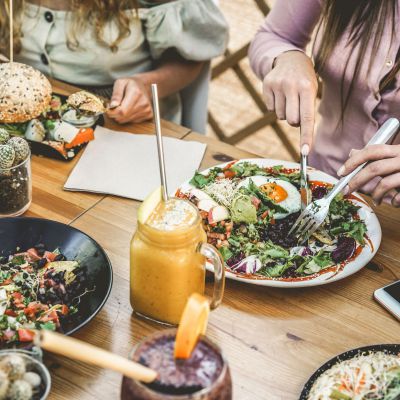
(248,210)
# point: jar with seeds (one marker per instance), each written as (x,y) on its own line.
(15,175)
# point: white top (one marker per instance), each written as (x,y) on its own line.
(195,28)
(44,46)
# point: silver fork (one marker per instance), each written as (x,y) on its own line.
(316,212)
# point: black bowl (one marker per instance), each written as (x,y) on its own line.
(23,233)
(387,348)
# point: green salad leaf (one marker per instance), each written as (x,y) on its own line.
(225,253)
(355,229)
(316,263)
(279,173)
(246,169)
(200,181)
(342,207)
(277,270)
(50,326)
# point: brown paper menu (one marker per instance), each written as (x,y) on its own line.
(126,165)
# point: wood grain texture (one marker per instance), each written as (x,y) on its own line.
(49,199)
(273,338)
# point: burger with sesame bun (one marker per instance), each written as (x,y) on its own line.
(25,93)
(86,103)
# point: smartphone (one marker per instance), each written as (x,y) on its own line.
(389,298)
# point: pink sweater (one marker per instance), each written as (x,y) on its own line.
(289,27)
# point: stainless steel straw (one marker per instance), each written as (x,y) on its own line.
(160,148)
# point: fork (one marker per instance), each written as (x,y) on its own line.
(316,212)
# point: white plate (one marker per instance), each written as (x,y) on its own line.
(374,233)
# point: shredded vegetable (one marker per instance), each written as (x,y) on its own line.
(375,375)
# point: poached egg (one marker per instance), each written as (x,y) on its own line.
(281,192)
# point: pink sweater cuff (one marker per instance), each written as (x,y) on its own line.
(262,55)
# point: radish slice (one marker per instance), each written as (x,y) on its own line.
(206,204)
(199,194)
(217,214)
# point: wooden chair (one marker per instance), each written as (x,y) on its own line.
(232,60)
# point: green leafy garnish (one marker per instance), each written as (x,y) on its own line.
(200,181)
(225,253)
(354,229)
(246,169)
(316,263)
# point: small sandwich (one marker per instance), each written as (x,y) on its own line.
(25,93)
(86,103)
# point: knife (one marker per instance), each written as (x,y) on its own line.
(305,193)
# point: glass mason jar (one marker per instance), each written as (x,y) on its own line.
(16,189)
(167,266)
(220,389)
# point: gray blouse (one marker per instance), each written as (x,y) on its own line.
(196,29)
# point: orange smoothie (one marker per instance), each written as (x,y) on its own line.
(166,264)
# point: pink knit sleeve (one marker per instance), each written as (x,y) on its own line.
(288,26)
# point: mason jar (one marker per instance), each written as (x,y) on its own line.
(168,266)
(16,189)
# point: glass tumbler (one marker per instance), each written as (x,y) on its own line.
(16,189)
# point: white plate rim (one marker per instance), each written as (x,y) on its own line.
(374,232)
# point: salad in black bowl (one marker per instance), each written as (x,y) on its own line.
(61,289)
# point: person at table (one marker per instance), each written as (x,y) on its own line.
(118,48)
(356,54)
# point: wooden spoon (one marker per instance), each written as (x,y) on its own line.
(79,350)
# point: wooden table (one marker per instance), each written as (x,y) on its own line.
(273,338)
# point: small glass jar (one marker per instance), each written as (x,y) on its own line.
(34,363)
(16,189)
(220,389)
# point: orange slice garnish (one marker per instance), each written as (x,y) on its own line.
(193,323)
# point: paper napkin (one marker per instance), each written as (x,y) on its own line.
(126,165)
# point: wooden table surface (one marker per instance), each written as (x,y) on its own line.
(273,338)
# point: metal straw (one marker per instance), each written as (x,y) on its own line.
(160,148)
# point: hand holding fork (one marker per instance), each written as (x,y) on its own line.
(316,212)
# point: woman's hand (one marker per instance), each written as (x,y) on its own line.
(130,101)
(290,89)
(384,163)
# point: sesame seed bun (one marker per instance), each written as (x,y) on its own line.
(85,101)
(24,93)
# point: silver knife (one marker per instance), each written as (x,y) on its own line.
(305,192)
